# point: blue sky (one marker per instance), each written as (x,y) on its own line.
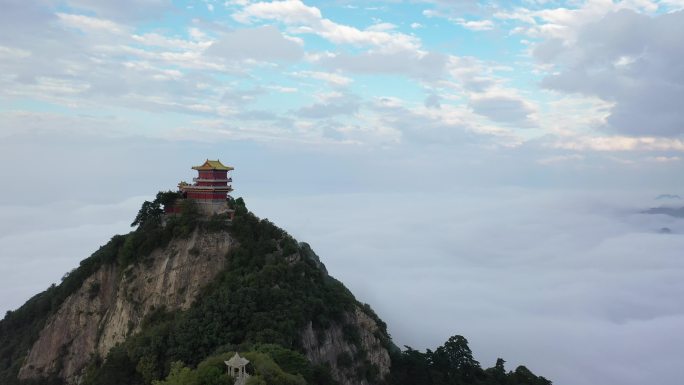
(484,68)
(439,143)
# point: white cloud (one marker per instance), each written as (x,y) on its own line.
(664,159)
(573,115)
(262,43)
(672,5)
(289,12)
(476,25)
(561,159)
(427,66)
(382,27)
(564,23)
(90,24)
(10,52)
(236,2)
(199,42)
(307,19)
(619,143)
(330,77)
(449,125)
(125,11)
(504,106)
(629,59)
(430,13)
(68,232)
(519,272)
(285,90)
(108,77)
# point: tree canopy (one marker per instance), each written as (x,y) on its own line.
(272,288)
(151,212)
(453,364)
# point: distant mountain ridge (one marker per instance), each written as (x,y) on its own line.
(167,302)
(668,196)
(671,211)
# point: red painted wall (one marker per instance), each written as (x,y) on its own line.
(213,174)
(210,195)
(206,195)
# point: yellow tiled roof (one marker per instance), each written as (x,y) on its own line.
(213,165)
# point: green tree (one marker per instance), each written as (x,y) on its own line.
(150,212)
(166,198)
(410,367)
(455,363)
(524,376)
(179,375)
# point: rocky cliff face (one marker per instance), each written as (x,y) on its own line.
(350,347)
(349,354)
(111,304)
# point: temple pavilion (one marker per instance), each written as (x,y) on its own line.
(209,190)
(237,369)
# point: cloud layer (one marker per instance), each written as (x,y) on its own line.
(579,287)
(483,161)
(631,60)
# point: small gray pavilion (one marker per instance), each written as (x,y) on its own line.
(236,369)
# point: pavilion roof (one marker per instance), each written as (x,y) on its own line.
(213,165)
(236,361)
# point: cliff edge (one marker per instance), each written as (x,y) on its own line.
(189,288)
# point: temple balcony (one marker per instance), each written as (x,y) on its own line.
(226,189)
(212,180)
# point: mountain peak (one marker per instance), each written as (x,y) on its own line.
(171,301)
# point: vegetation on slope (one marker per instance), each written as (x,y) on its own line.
(271,289)
(453,364)
(269,364)
(20,328)
(268,293)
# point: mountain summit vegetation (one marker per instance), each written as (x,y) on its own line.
(169,302)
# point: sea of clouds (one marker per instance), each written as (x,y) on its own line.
(579,286)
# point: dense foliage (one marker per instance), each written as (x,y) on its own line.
(271,289)
(20,328)
(453,364)
(151,212)
(268,364)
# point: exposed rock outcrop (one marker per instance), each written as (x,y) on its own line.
(351,356)
(111,304)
